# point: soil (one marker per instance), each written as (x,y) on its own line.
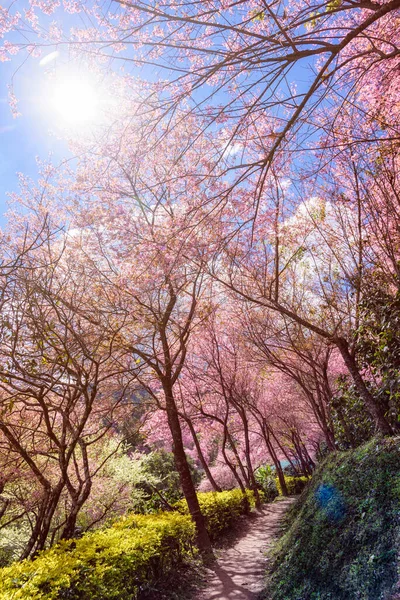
(239,571)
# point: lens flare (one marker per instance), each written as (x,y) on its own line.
(75,100)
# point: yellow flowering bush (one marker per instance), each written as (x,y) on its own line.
(110,564)
(221,509)
(124,561)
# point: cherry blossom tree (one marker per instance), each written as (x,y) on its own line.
(62,388)
(245,403)
(303,357)
(249,57)
(218,176)
(320,256)
(134,225)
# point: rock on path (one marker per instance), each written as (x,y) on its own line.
(239,571)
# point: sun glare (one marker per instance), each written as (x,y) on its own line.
(75,100)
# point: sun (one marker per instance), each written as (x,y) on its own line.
(75,100)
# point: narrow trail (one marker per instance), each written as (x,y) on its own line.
(239,571)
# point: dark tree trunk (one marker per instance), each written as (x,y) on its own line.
(35,532)
(252,480)
(202,459)
(284,452)
(377,414)
(229,463)
(40,533)
(239,462)
(70,524)
(322,417)
(182,466)
(307,464)
(276,461)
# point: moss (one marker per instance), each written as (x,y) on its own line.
(342,538)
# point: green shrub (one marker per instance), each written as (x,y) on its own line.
(120,562)
(126,561)
(221,509)
(159,471)
(353,425)
(295,485)
(266,480)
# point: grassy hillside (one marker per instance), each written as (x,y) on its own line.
(343,535)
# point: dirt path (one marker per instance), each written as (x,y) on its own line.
(239,571)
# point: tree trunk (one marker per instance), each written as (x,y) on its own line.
(284,452)
(37,540)
(230,465)
(182,466)
(200,454)
(276,461)
(239,462)
(70,524)
(307,464)
(377,414)
(321,414)
(252,480)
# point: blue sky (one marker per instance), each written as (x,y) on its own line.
(28,136)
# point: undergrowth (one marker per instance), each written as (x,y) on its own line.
(343,533)
(137,558)
(221,509)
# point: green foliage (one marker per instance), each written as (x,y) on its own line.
(128,561)
(266,480)
(121,562)
(160,480)
(343,534)
(13,541)
(152,479)
(352,423)
(221,509)
(377,351)
(378,344)
(295,485)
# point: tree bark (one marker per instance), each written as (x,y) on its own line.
(182,466)
(70,524)
(200,454)
(229,463)
(252,480)
(377,414)
(275,459)
(239,462)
